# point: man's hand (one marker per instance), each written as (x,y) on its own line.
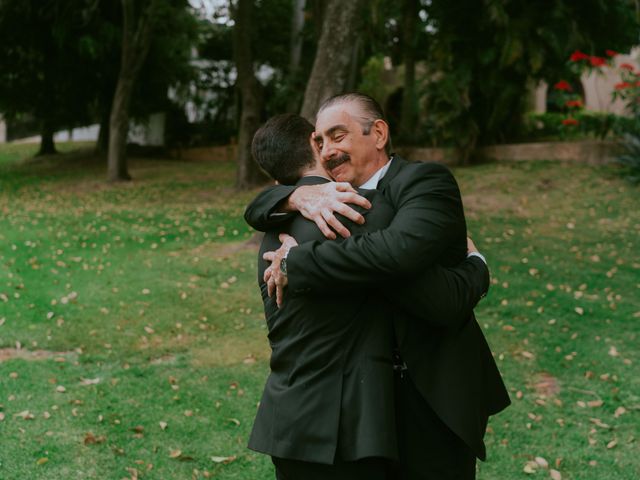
(471,247)
(318,203)
(273,276)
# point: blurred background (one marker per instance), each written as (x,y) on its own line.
(176,75)
(132,335)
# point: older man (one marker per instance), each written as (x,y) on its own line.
(447,383)
(327,410)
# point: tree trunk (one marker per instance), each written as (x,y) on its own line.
(409,116)
(136,41)
(248,173)
(295,52)
(102,145)
(297,25)
(47,144)
(331,66)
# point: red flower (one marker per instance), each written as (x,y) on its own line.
(563,85)
(578,55)
(622,85)
(597,61)
(570,121)
(627,66)
(574,103)
(611,53)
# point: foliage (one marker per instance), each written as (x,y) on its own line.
(587,124)
(60,60)
(167,324)
(496,49)
(46,60)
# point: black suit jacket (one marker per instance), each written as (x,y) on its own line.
(330,390)
(449,361)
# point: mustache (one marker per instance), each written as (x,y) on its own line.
(336,161)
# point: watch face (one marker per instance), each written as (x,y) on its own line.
(283,266)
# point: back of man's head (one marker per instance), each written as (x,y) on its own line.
(370,110)
(282,147)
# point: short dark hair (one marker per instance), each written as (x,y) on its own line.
(282,148)
(370,108)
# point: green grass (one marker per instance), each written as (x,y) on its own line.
(135,306)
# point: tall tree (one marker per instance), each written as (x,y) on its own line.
(248,173)
(410,20)
(330,72)
(137,31)
(43,74)
(297,26)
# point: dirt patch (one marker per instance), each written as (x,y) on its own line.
(11,353)
(231,351)
(546,385)
(222,250)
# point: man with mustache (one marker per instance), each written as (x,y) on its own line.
(327,410)
(447,383)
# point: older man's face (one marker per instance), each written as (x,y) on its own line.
(346,152)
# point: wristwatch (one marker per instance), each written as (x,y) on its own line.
(283,266)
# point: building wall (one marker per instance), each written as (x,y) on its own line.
(598,87)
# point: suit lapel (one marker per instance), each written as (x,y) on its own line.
(396,165)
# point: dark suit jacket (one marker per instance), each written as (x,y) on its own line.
(449,361)
(330,390)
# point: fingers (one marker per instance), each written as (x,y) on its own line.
(267,274)
(331,220)
(354,198)
(350,213)
(345,187)
(271,286)
(269,256)
(471,247)
(324,228)
(287,240)
(279,294)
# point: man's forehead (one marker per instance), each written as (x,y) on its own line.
(340,115)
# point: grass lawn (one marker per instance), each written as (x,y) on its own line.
(132,340)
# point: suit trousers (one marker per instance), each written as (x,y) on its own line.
(429,450)
(373,468)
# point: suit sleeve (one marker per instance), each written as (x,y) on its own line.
(259,212)
(428,220)
(443,296)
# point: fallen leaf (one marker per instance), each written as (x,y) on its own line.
(25,415)
(542,462)
(89,381)
(42,461)
(619,411)
(91,439)
(530,467)
(224,460)
(612,444)
(163,425)
(599,423)
(555,474)
(595,403)
(175,453)
(234,421)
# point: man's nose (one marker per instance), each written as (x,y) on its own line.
(327,151)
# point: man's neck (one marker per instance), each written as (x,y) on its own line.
(315,172)
(380,165)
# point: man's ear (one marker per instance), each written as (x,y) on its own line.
(380,129)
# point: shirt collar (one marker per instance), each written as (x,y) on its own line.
(372,183)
